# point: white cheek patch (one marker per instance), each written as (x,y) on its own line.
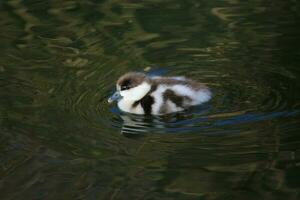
(136,93)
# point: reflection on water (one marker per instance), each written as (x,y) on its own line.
(59,63)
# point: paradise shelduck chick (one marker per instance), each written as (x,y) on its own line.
(139,94)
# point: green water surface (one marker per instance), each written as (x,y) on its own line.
(59,61)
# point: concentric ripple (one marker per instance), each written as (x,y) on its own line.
(59,63)
(246,102)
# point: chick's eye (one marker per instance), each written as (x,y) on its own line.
(124,87)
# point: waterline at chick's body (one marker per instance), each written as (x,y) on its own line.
(140,94)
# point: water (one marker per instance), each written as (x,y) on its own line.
(61,140)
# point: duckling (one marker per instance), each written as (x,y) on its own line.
(139,94)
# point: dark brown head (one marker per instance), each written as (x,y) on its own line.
(131,87)
(131,80)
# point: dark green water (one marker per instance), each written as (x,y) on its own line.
(59,61)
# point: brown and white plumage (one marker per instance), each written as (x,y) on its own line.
(141,94)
